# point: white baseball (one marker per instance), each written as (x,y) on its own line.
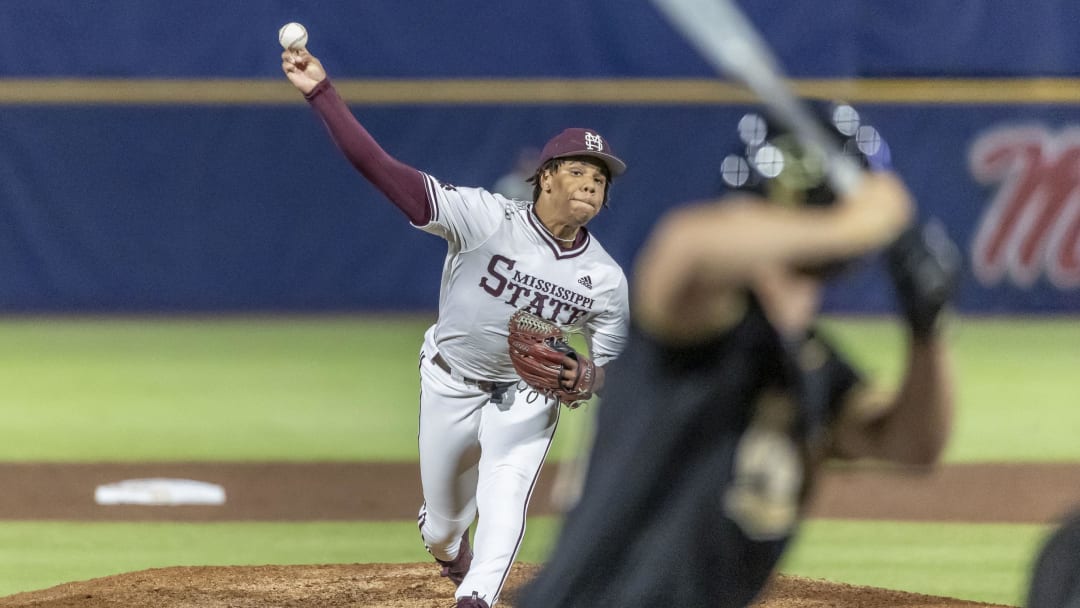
(292,36)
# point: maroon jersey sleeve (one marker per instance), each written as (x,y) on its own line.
(402,184)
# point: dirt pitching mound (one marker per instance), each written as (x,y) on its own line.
(378,586)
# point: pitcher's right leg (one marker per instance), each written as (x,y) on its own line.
(449,455)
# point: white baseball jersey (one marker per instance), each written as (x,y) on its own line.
(501,258)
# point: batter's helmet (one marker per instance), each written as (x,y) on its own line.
(775,165)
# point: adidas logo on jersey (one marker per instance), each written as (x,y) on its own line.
(586,281)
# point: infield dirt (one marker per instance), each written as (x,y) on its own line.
(1013,493)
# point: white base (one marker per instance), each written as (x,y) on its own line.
(159,491)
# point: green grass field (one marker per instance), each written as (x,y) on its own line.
(304,389)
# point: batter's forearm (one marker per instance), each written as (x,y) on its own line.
(402,184)
(913,426)
(924,404)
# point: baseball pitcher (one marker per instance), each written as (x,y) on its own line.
(518,276)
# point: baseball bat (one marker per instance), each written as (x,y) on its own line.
(726,38)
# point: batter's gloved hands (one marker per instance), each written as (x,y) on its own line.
(924,264)
(546,362)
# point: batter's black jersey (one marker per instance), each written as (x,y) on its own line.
(698,472)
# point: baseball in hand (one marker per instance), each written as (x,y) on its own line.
(292,36)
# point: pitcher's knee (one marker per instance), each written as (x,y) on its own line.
(441,535)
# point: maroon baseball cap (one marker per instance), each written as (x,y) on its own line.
(582,142)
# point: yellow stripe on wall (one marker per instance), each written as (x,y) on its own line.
(530,91)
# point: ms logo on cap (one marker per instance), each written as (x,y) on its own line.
(594,142)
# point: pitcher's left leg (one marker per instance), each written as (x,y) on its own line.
(514,442)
